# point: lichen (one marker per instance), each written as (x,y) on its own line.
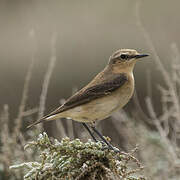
(74,159)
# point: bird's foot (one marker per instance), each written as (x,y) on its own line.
(116,150)
(109,147)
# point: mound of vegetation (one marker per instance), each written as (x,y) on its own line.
(73,159)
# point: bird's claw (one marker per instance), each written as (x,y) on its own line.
(105,146)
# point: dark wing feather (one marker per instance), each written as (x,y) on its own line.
(92,93)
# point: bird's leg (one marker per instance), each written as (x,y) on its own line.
(92,135)
(87,128)
(103,139)
(101,136)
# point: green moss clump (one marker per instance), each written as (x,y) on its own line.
(73,159)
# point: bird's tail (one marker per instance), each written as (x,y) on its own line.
(46,118)
(36,122)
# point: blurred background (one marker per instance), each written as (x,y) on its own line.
(72,41)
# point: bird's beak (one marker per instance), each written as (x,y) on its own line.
(141,56)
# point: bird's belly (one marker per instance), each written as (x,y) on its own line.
(101,108)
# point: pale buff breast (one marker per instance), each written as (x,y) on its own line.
(102,108)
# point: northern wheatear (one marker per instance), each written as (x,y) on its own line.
(109,91)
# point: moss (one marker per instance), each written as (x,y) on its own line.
(73,159)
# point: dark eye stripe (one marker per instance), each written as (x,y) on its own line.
(124,56)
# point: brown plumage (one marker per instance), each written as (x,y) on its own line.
(110,90)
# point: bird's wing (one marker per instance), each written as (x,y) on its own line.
(88,94)
(93,92)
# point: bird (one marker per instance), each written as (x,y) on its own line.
(109,91)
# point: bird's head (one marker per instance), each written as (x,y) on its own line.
(125,58)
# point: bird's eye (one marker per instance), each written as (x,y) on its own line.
(124,56)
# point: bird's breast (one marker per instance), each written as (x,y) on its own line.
(122,96)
